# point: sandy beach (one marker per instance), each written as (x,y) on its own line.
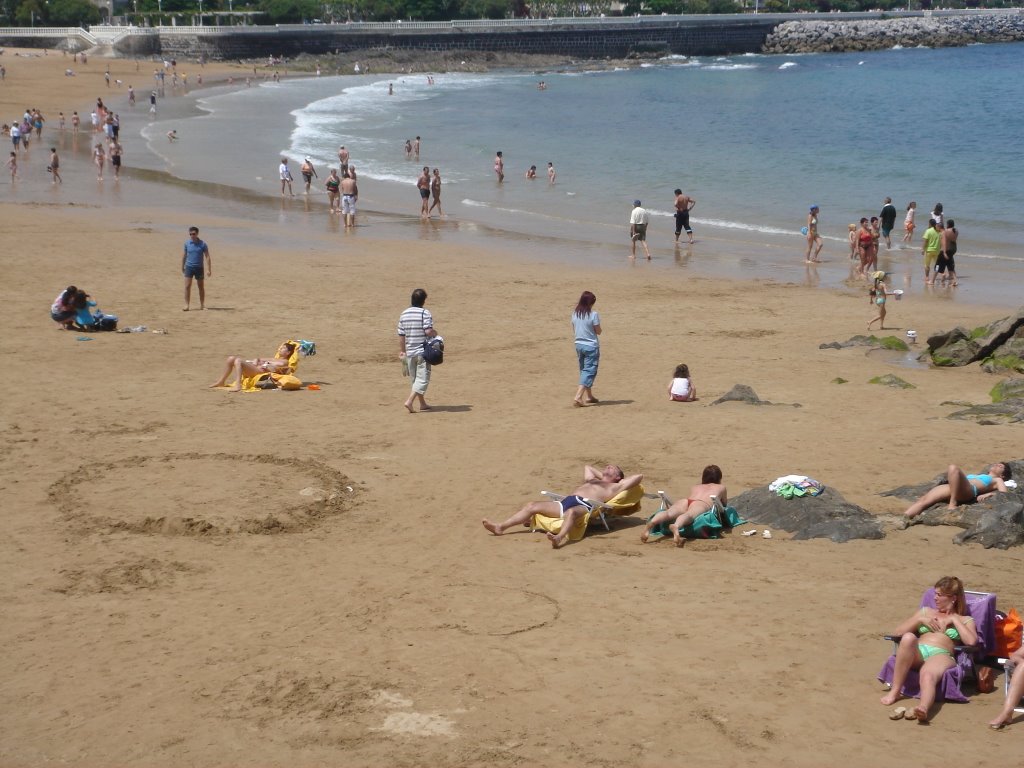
(194,577)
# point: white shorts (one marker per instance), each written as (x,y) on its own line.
(348,204)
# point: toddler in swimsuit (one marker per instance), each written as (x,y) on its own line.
(877,296)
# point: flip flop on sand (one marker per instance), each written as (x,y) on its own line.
(898,714)
(910,714)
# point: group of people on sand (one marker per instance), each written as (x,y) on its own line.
(926,643)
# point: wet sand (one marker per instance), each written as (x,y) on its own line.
(181,587)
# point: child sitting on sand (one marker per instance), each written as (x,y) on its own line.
(877,296)
(681,389)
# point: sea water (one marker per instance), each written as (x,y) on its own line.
(754,139)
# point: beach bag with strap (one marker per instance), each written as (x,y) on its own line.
(433,348)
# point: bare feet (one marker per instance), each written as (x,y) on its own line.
(236,388)
(999,723)
(920,714)
(591,401)
(675,534)
(184,309)
(556,541)
(492,527)
(890,698)
(408,407)
(217,385)
(645,535)
(577,404)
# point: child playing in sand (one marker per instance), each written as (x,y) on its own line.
(681,389)
(877,296)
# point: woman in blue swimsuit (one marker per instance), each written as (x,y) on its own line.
(926,644)
(961,488)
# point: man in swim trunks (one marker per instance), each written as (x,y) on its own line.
(699,500)
(598,487)
(684,204)
(961,488)
(423,185)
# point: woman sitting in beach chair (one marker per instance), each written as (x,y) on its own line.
(250,373)
(926,643)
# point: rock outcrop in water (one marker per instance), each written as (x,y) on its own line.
(870,35)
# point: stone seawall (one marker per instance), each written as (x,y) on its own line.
(588,43)
(868,35)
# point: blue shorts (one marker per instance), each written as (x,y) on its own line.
(196,272)
(574,501)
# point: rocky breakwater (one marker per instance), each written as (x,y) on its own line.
(870,35)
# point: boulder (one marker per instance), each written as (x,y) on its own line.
(745,394)
(1005,412)
(1008,389)
(860,340)
(1000,344)
(826,516)
(891,380)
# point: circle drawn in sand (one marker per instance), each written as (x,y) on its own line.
(192,494)
(479,609)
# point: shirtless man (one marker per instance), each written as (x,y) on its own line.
(684,204)
(598,486)
(349,197)
(698,501)
(343,160)
(961,488)
(423,185)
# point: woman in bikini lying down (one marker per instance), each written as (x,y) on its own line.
(926,644)
(961,488)
(697,502)
(243,368)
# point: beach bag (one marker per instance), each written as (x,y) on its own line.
(433,351)
(1009,629)
(102,322)
(286,381)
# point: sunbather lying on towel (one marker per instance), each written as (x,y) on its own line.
(598,486)
(961,488)
(926,644)
(244,369)
(697,502)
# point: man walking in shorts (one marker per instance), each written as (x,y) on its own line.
(931,245)
(638,229)
(196,252)
(684,204)
(349,197)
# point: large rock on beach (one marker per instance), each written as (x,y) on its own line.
(861,340)
(826,516)
(742,393)
(995,522)
(1000,344)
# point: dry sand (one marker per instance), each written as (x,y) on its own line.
(172,597)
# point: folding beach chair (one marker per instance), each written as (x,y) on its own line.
(1009,671)
(711,524)
(625,503)
(982,608)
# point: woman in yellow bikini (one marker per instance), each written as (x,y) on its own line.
(926,644)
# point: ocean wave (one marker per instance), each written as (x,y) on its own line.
(729,67)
